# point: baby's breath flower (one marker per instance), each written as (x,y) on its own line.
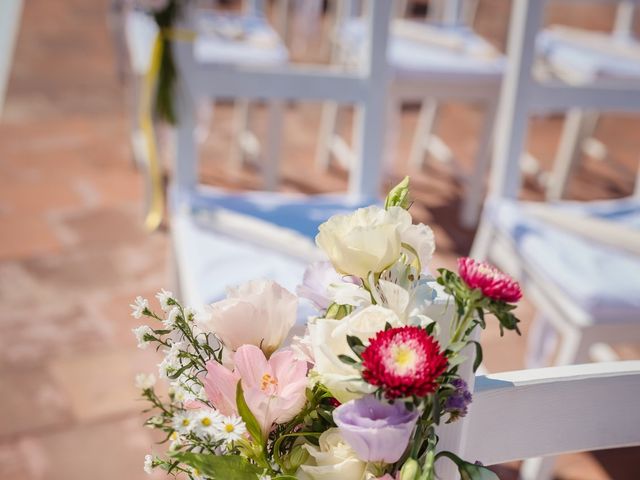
(145,381)
(165,299)
(144,334)
(231,429)
(139,307)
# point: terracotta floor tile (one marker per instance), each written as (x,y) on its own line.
(26,236)
(30,402)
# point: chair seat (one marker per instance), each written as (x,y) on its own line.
(421,50)
(585,57)
(600,280)
(224,239)
(238,40)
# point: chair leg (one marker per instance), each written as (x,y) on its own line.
(578,126)
(328,127)
(271,163)
(483,239)
(394,116)
(475,186)
(241,125)
(423,131)
(539,468)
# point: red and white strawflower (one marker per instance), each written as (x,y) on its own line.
(403,361)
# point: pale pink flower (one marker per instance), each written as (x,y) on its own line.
(260,313)
(491,281)
(274,389)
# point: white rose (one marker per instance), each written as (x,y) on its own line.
(333,459)
(259,313)
(367,240)
(329,341)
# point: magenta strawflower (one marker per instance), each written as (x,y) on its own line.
(491,281)
(403,361)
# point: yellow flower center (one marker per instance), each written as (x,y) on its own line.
(404,358)
(229,428)
(185,422)
(206,422)
(268,384)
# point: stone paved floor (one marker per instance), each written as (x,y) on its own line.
(73,252)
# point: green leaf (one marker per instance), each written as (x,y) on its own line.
(253,427)
(469,471)
(355,344)
(410,470)
(347,359)
(220,467)
(398,196)
(478,359)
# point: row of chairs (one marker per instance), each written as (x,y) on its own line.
(578,263)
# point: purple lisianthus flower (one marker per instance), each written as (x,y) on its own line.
(457,404)
(376,430)
(315,284)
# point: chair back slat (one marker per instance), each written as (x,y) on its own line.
(550,411)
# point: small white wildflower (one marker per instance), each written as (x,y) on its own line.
(183,423)
(171,317)
(165,299)
(139,306)
(168,366)
(207,422)
(195,473)
(189,314)
(145,381)
(176,441)
(154,422)
(148,464)
(142,332)
(231,429)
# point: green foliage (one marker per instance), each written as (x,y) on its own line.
(469,471)
(220,467)
(253,426)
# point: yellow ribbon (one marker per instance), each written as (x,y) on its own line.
(155,212)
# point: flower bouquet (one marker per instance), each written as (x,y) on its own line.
(361,395)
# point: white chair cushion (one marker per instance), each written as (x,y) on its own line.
(586,57)
(224,239)
(237,39)
(603,281)
(418,49)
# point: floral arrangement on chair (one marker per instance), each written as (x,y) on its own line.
(359,396)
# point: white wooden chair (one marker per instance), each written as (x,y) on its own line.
(550,411)
(429,62)
(222,239)
(10,13)
(244,38)
(585,57)
(577,262)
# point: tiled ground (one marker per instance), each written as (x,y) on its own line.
(73,251)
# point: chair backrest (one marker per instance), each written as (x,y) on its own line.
(365,88)
(522,94)
(549,411)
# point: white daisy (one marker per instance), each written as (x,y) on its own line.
(143,334)
(171,317)
(176,441)
(148,464)
(139,306)
(183,423)
(189,314)
(231,429)
(207,422)
(145,381)
(165,299)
